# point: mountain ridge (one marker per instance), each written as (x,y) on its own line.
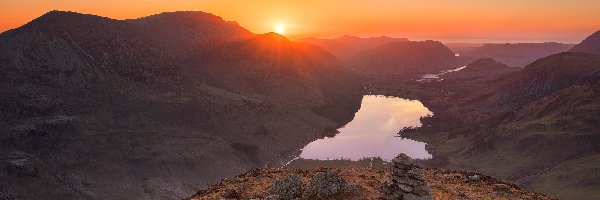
(97,108)
(590,44)
(347,45)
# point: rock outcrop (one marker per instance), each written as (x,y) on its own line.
(328,185)
(405,181)
(286,188)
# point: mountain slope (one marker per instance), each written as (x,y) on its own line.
(530,126)
(98,108)
(591,44)
(186,34)
(482,70)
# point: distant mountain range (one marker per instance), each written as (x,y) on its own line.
(156,107)
(348,45)
(511,54)
(407,58)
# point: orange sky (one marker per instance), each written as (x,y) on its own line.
(450,21)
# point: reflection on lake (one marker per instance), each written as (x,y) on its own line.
(373,132)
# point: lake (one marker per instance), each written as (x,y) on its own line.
(429,77)
(373,132)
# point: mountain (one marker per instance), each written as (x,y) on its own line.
(537,127)
(347,45)
(404,58)
(481,70)
(97,108)
(591,44)
(185,33)
(512,54)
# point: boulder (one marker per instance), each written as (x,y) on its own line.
(327,185)
(287,188)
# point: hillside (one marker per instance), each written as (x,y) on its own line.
(537,127)
(409,58)
(512,54)
(591,44)
(481,70)
(96,108)
(402,180)
(347,45)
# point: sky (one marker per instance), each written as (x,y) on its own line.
(449,21)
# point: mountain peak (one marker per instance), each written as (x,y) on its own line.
(591,44)
(183,15)
(65,15)
(274,36)
(347,37)
(488,62)
(57,21)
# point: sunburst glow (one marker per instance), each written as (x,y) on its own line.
(280,28)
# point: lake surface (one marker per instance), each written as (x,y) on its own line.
(428,77)
(373,132)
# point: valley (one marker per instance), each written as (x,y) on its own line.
(164,106)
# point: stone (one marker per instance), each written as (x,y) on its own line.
(287,188)
(473,178)
(402,161)
(405,188)
(325,185)
(406,181)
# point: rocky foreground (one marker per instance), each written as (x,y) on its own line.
(402,180)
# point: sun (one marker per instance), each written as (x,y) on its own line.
(280,28)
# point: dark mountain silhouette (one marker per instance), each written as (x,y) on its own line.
(185,34)
(97,108)
(512,54)
(347,45)
(591,44)
(404,58)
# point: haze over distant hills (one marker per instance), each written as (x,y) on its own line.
(512,54)
(404,58)
(347,45)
